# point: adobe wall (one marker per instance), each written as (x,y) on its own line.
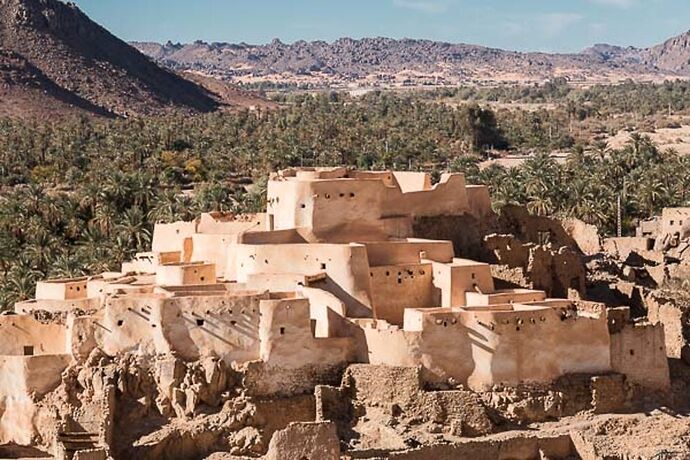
(520,447)
(216,223)
(346,267)
(675,220)
(675,317)
(212,248)
(586,236)
(57,306)
(293,360)
(69,289)
(455,280)
(408,251)
(639,352)
(411,181)
(314,440)
(171,237)
(185,274)
(192,326)
(622,247)
(485,348)
(20,331)
(397,287)
(367,208)
(535,346)
(23,381)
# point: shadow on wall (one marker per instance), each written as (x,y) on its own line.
(466,232)
(355,308)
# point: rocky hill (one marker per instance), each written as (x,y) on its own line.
(408,61)
(56,61)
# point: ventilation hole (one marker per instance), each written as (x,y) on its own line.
(200,322)
(328,196)
(266,261)
(323,266)
(517,328)
(304,206)
(632,352)
(342,195)
(352,195)
(282,331)
(120,323)
(203,278)
(388,273)
(233,322)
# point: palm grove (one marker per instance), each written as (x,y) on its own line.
(80,196)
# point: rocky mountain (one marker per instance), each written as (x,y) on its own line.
(672,55)
(380,60)
(54,60)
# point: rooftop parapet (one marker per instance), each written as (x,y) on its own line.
(182,274)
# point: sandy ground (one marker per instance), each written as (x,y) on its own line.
(677,139)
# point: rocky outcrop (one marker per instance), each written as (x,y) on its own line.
(78,62)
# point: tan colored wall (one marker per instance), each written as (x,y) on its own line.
(397,287)
(485,348)
(19,331)
(639,352)
(412,181)
(186,274)
(193,326)
(68,289)
(674,220)
(459,277)
(170,237)
(506,296)
(56,306)
(212,248)
(288,341)
(535,346)
(408,251)
(23,380)
(346,266)
(230,224)
(339,208)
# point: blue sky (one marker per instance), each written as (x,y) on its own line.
(544,25)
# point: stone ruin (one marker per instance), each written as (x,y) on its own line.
(330,325)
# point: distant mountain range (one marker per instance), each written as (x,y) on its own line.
(384,61)
(55,61)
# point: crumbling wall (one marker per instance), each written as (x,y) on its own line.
(560,272)
(24,381)
(310,441)
(673,312)
(586,236)
(394,396)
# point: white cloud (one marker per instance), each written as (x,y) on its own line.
(425,6)
(615,3)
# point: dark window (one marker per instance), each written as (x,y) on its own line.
(282,331)
(28,351)
(200,322)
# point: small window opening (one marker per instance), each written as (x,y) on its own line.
(28,351)
(323,266)
(120,323)
(282,331)
(200,322)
